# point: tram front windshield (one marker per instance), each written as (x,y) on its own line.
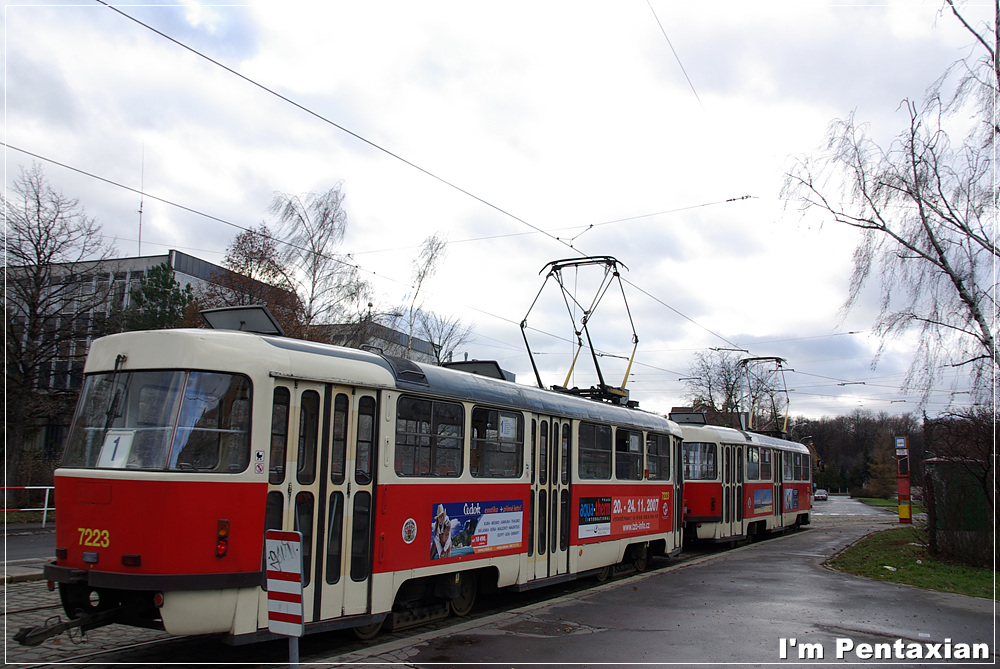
(162,420)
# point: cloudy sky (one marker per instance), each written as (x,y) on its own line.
(655,132)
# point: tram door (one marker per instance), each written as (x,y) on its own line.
(550,499)
(325,491)
(678,478)
(776,496)
(728,492)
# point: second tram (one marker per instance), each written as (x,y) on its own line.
(738,485)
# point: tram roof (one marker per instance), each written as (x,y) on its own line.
(461,385)
(731,435)
(294,358)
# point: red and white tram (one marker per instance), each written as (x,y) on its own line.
(742,484)
(412,485)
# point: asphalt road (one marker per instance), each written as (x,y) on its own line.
(747,605)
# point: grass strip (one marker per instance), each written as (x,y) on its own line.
(900,555)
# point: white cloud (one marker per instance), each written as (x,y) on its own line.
(562,114)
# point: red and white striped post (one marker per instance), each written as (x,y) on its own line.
(283,562)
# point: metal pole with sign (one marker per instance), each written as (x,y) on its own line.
(283,562)
(903,478)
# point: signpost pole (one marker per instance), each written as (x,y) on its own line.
(903,479)
(283,561)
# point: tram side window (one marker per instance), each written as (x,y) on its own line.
(534,452)
(308,437)
(279,434)
(360,537)
(335,534)
(753,463)
(366,440)
(595,451)
(628,455)
(338,453)
(802,468)
(304,524)
(497,443)
(564,457)
(429,436)
(700,461)
(658,457)
(543,452)
(765,464)
(273,512)
(788,473)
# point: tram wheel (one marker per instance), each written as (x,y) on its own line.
(641,564)
(368,632)
(604,574)
(462,603)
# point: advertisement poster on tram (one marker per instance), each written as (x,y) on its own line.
(763,501)
(791,499)
(464,528)
(619,515)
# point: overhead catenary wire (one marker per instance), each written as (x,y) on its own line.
(442,180)
(368,142)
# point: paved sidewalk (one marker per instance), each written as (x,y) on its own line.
(18,571)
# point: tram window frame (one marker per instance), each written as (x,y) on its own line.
(628,454)
(492,452)
(798,466)
(361,561)
(765,465)
(274,515)
(704,465)
(543,511)
(338,438)
(594,450)
(305,470)
(564,454)
(543,453)
(425,432)
(787,473)
(531,463)
(753,463)
(365,440)
(658,457)
(335,538)
(304,512)
(280,409)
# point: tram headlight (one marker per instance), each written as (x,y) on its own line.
(222,538)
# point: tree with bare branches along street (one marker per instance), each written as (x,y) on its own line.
(925,208)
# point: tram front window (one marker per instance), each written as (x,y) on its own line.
(183,421)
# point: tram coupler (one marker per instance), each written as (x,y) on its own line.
(34,636)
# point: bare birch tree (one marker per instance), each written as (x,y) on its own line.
(424,267)
(313,229)
(925,208)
